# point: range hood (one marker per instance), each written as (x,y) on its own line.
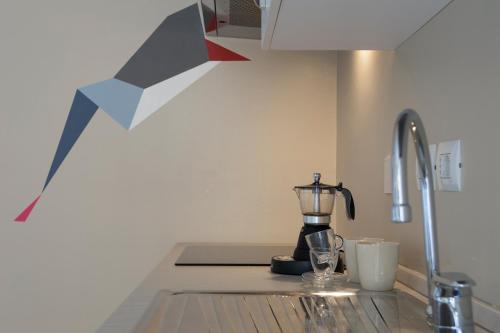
(232,18)
(320,24)
(343,24)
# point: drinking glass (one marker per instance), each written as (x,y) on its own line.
(324,254)
(323,261)
(350,256)
(325,239)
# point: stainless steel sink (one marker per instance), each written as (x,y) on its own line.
(335,311)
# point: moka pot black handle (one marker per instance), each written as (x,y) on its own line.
(349,201)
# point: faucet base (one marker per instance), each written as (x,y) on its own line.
(446,329)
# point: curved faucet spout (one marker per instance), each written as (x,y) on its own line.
(450,294)
(409,121)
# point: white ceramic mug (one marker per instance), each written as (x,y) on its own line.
(377,264)
(350,256)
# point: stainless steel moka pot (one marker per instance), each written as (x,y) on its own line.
(317,201)
(316,204)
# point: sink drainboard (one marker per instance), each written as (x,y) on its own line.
(190,312)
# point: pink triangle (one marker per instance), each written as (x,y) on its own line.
(217,52)
(27,211)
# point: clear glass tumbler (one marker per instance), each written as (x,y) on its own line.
(325,239)
(323,261)
(324,255)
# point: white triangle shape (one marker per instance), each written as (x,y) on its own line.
(154,97)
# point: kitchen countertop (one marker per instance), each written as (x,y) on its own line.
(201,278)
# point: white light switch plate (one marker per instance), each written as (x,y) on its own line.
(432,152)
(449,166)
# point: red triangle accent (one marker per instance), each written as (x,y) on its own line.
(212,24)
(27,211)
(219,53)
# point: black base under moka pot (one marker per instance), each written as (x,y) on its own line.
(316,204)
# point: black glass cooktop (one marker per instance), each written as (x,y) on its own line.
(231,255)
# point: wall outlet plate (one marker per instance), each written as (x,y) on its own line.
(449,166)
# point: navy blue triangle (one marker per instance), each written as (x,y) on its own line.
(82,110)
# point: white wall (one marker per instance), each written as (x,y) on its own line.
(216,164)
(449,72)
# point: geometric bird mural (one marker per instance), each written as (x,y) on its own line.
(172,58)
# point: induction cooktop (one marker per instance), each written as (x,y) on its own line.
(231,255)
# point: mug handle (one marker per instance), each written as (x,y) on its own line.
(341,242)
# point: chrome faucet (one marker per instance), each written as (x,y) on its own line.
(450,294)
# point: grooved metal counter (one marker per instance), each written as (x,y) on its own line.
(293,312)
(228,280)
